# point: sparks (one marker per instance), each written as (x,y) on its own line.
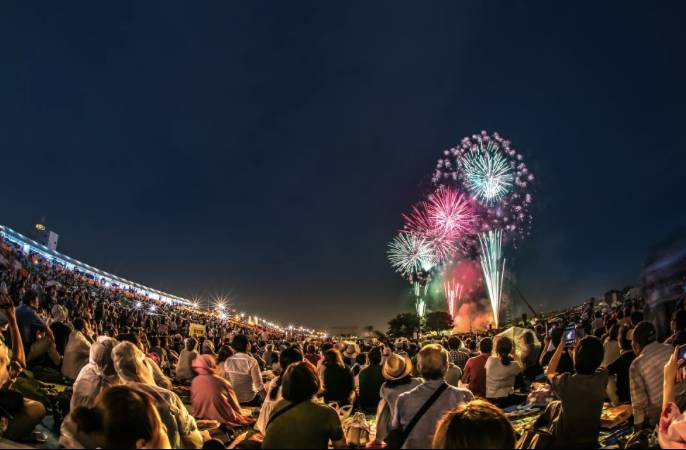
(421,308)
(420,289)
(493,265)
(488,174)
(409,253)
(419,222)
(450,212)
(453,295)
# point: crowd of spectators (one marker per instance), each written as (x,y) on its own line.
(136,378)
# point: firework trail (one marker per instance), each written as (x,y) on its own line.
(421,308)
(493,265)
(453,295)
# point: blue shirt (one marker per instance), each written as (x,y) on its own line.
(29,323)
(410,403)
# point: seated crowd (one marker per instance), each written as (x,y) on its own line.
(135,378)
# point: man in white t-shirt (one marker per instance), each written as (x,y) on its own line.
(244,373)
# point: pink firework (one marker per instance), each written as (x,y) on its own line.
(418,222)
(453,294)
(450,212)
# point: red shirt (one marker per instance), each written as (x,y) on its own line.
(475,375)
(313,358)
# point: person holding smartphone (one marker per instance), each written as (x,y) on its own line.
(670,431)
(22,414)
(575,419)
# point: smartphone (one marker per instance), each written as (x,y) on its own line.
(682,353)
(570,336)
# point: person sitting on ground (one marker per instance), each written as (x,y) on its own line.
(360,363)
(458,355)
(326,346)
(208,348)
(274,390)
(352,350)
(212,397)
(157,347)
(225,352)
(472,347)
(298,421)
(477,424)
(432,361)
(453,375)
(135,371)
(160,378)
(121,418)
(22,414)
(475,370)
(36,336)
(312,355)
(60,327)
(501,373)
(96,376)
(530,357)
(339,383)
(371,380)
(243,371)
(184,369)
(397,371)
(645,381)
(78,350)
(575,419)
(620,368)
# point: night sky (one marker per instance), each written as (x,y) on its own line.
(267,149)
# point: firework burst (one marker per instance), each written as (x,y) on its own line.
(410,253)
(488,174)
(418,222)
(450,212)
(496,175)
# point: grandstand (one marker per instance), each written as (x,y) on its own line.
(107,279)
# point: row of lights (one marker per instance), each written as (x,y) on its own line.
(220,307)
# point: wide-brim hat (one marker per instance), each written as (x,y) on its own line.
(397,367)
(351,351)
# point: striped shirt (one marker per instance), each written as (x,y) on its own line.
(647,377)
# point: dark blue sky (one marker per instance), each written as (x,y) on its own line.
(268,148)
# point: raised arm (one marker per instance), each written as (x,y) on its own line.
(555,362)
(18,355)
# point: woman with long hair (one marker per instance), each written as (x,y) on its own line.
(501,374)
(135,371)
(298,421)
(339,383)
(122,417)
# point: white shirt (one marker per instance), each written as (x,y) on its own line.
(244,374)
(500,379)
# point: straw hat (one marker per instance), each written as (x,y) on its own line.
(351,351)
(397,367)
